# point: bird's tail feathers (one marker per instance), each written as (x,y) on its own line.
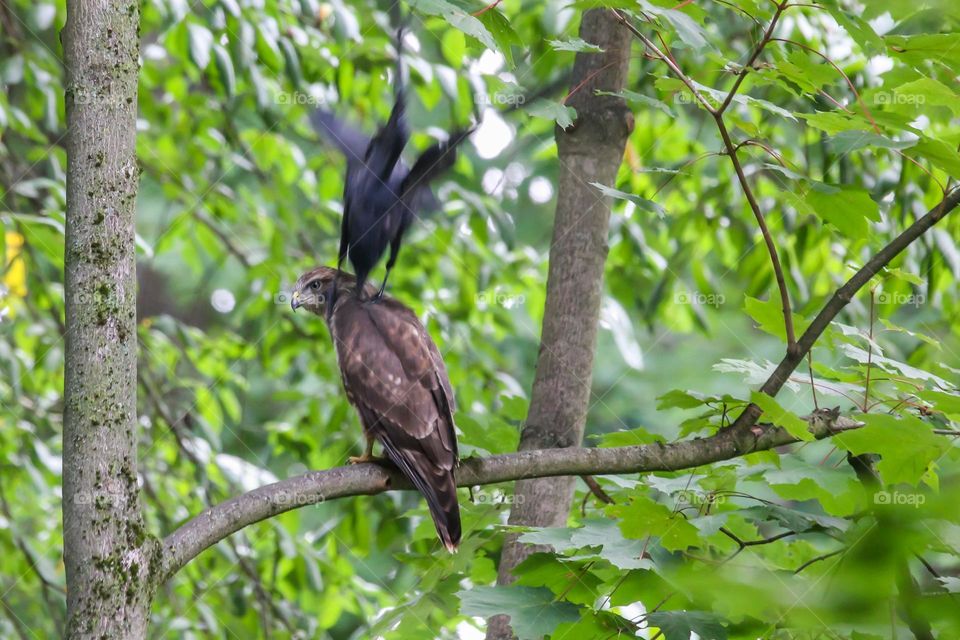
(441,501)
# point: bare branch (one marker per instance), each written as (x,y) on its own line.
(218,522)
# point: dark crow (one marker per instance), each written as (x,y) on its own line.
(381,195)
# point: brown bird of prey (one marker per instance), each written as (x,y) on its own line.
(395,378)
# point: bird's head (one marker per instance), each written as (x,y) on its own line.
(313,288)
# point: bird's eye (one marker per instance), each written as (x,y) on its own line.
(315,285)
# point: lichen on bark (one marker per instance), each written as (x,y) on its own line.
(107,552)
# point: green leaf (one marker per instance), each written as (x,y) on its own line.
(927,92)
(550,110)
(679,625)
(642,203)
(689,32)
(907,446)
(533,611)
(922,50)
(858,29)
(616,549)
(201,40)
(454,47)
(847,208)
(848,141)
(639,98)
(773,412)
(268,50)
(575,44)
(499,27)
(643,517)
(680,399)
(948,403)
(291,62)
(224,66)
(906,276)
(768,314)
(459,18)
(942,155)
(628,438)
(833,122)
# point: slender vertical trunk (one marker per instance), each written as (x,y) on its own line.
(590,151)
(107,553)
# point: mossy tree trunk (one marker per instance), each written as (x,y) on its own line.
(590,151)
(107,553)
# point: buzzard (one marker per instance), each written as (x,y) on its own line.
(395,378)
(381,195)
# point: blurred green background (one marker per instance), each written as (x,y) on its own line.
(238,197)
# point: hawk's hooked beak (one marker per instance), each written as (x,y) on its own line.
(295,301)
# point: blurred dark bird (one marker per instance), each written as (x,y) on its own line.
(381,195)
(395,378)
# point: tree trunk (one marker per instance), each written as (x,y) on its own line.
(590,151)
(107,552)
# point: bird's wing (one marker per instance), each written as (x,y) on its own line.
(351,143)
(415,189)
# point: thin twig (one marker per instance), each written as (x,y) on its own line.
(490,6)
(817,559)
(866,385)
(753,58)
(731,149)
(659,55)
(597,490)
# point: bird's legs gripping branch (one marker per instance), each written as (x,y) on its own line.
(367,454)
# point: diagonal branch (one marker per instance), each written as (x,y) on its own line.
(841,298)
(216,523)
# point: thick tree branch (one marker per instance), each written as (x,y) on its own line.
(218,522)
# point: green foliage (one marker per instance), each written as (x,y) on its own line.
(238,197)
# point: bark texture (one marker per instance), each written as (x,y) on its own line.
(107,552)
(590,151)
